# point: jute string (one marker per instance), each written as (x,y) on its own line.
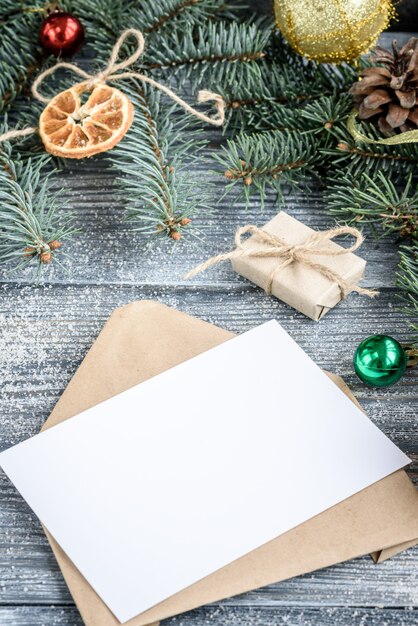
(275,247)
(114,72)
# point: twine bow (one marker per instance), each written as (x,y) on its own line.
(275,247)
(114,72)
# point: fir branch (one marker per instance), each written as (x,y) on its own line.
(251,102)
(218,53)
(104,24)
(264,101)
(173,12)
(159,198)
(394,161)
(326,113)
(15,76)
(267,116)
(155,20)
(375,202)
(295,78)
(318,117)
(30,230)
(11,10)
(267,159)
(159,17)
(407,280)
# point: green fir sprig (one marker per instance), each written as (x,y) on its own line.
(407,281)
(376,202)
(159,195)
(218,53)
(267,159)
(17,25)
(32,226)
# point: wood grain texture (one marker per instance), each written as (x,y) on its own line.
(229,616)
(46,331)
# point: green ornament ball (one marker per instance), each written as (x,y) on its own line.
(380,361)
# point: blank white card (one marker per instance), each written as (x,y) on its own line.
(164,484)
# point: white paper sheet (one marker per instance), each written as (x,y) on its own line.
(164,484)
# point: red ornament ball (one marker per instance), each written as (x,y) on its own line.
(61,33)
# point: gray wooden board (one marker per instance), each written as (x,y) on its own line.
(46,331)
(229,616)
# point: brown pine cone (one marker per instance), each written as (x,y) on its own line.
(386,94)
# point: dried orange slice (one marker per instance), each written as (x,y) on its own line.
(74,130)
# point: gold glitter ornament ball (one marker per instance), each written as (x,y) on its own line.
(332,31)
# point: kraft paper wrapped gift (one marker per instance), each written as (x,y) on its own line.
(303,288)
(145,338)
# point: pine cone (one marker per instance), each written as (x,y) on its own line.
(387,93)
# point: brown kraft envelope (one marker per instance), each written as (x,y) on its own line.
(145,338)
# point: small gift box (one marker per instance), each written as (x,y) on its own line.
(298,265)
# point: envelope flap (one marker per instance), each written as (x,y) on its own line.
(138,341)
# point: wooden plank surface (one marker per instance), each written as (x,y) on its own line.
(228,616)
(46,331)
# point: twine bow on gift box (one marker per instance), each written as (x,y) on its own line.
(275,247)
